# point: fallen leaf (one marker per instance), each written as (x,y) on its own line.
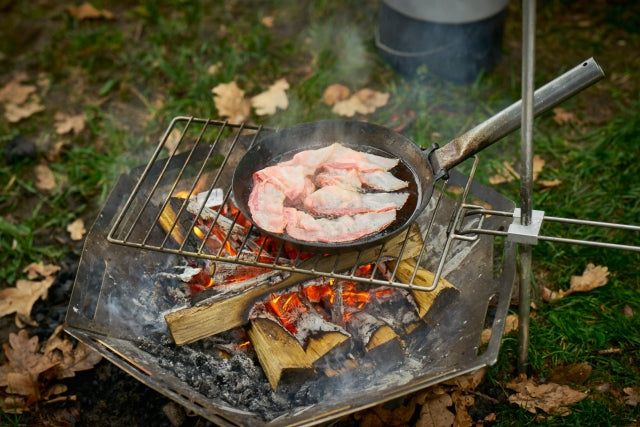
(20,299)
(506,174)
(335,93)
(76,229)
(15,92)
(87,11)
(45,180)
(435,412)
(14,113)
(267,21)
(628,311)
(632,397)
(574,373)
(468,382)
(538,165)
(372,99)
(562,116)
(461,402)
(65,123)
(23,356)
(266,103)
(549,397)
(230,102)
(549,183)
(69,359)
(364,101)
(593,277)
(510,325)
(40,269)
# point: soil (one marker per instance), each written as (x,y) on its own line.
(106,395)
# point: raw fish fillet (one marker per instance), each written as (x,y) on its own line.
(335,200)
(304,227)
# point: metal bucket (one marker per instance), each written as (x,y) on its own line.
(456,40)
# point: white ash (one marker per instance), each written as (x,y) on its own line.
(186,275)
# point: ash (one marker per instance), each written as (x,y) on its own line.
(220,370)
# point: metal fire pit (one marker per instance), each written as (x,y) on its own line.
(120,296)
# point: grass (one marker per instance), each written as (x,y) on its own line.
(155,61)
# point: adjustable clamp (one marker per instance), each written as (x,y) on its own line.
(527,234)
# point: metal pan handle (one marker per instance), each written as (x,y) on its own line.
(548,96)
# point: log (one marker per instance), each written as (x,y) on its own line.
(431,304)
(282,357)
(220,314)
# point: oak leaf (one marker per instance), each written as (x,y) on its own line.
(230,102)
(45,180)
(632,397)
(69,359)
(562,116)
(364,101)
(16,112)
(40,269)
(266,103)
(592,277)
(76,229)
(66,124)
(335,93)
(88,11)
(15,92)
(549,397)
(20,299)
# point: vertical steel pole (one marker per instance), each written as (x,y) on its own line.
(526,183)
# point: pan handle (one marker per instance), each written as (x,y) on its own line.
(548,96)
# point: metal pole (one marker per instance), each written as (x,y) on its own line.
(526,183)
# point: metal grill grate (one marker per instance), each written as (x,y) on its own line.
(194,162)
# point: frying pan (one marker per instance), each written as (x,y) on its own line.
(420,167)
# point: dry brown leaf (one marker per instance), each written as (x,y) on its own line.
(574,373)
(506,174)
(461,402)
(364,101)
(510,325)
(65,123)
(562,116)
(23,356)
(15,92)
(267,21)
(435,412)
(230,102)
(372,99)
(632,397)
(87,11)
(45,180)
(549,183)
(468,382)
(20,299)
(14,113)
(69,359)
(628,311)
(335,93)
(266,103)
(40,269)
(593,277)
(538,165)
(550,397)
(76,229)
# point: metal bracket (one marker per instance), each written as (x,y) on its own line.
(527,234)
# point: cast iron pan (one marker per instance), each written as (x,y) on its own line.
(422,168)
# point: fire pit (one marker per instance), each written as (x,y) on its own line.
(132,305)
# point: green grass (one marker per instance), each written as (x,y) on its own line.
(132,75)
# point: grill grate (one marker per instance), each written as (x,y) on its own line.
(195,161)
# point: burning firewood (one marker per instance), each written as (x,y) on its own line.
(228,312)
(281,355)
(431,304)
